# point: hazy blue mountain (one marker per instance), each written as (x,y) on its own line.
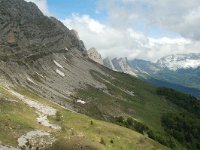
(180,71)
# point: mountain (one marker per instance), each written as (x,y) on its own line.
(40,49)
(163,83)
(24,34)
(180,61)
(108,63)
(143,66)
(95,56)
(116,64)
(44,66)
(184,77)
(120,65)
(180,71)
(52,96)
(173,62)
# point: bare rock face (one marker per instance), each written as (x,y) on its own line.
(25,32)
(108,63)
(120,64)
(95,56)
(75,33)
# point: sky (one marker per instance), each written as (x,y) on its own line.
(143,29)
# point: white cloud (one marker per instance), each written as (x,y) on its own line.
(115,42)
(182,17)
(42,5)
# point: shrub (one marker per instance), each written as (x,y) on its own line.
(58,116)
(143,129)
(102,141)
(91,122)
(120,119)
(111,141)
(129,121)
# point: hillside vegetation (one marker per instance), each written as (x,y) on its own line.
(185,127)
(77,131)
(158,114)
(128,97)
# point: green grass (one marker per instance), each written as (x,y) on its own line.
(146,106)
(76,128)
(102,105)
(16,118)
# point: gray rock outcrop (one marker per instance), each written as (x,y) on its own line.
(120,64)
(95,56)
(26,33)
(108,63)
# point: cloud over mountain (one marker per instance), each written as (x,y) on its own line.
(138,28)
(115,42)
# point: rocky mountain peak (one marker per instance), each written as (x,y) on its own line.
(122,65)
(75,33)
(26,32)
(119,64)
(94,55)
(108,63)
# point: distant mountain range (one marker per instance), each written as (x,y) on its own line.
(179,71)
(180,61)
(116,64)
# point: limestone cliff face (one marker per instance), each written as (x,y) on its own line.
(120,64)
(25,32)
(108,63)
(95,56)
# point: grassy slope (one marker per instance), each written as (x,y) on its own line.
(146,106)
(17,118)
